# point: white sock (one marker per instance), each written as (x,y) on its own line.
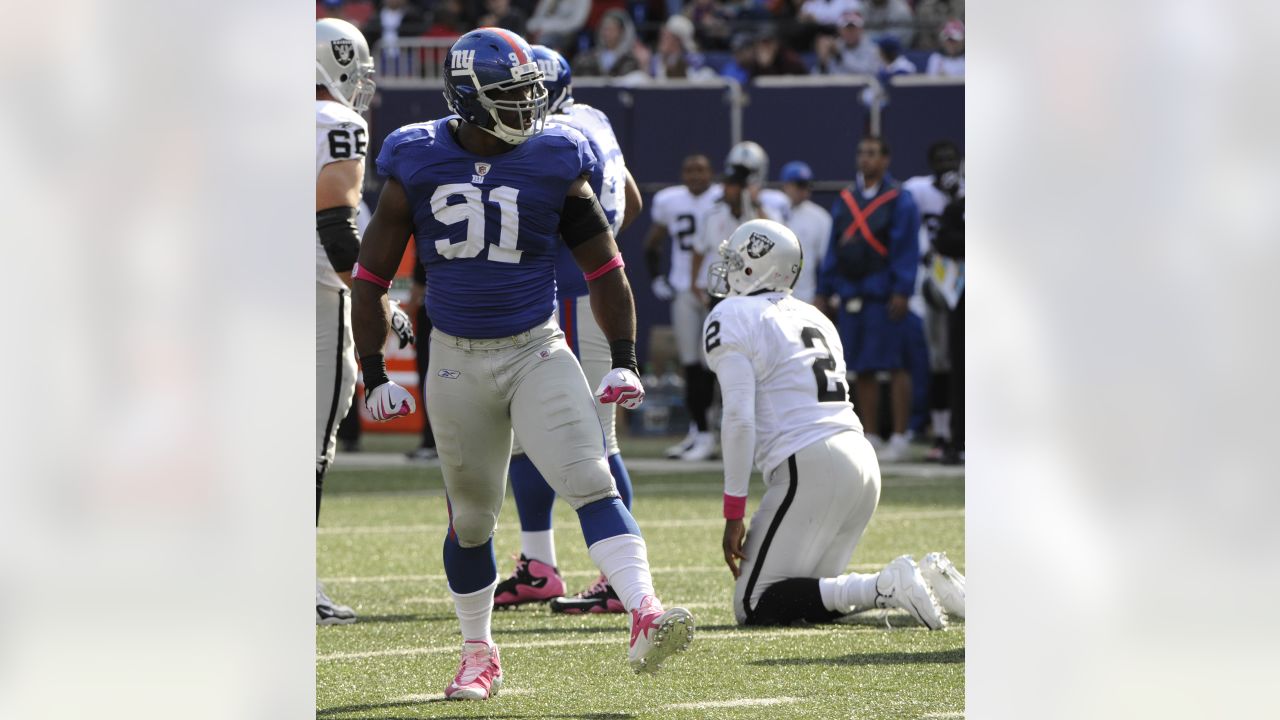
(898,439)
(624,559)
(475,610)
(540,546)
(843,594)
(941,423)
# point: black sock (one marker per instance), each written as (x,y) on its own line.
(785,602)
(694,395)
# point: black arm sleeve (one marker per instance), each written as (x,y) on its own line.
(339,236)
(581,219)
(653,261)
(950,239)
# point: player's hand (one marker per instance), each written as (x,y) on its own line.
(897,307)
(388,401)
(621,386)
(662,289)
(735,532)
(401,325)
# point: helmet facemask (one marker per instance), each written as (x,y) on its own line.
(530,113)
(731,261)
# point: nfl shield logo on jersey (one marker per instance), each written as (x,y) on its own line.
(758,245)
(343,51)
(482,169)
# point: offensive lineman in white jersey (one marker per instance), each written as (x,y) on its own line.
(782,376)
(344,87)
(680,212)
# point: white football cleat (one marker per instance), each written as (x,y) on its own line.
(900,585)
(657,634)
(704,446)
(329,612)
(896,450)
(675,451)
(480,674)
(946,582)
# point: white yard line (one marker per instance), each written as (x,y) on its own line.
(686,523)
(439,697)
(705,636)
(954,715)
(744,702)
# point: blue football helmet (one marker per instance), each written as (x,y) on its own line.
(556,77)
(489,61)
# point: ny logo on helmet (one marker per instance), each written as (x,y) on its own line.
(758,245)
(462,59)
(343,51)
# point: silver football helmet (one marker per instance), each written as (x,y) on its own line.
(343,63)
(760,256)
(751,156)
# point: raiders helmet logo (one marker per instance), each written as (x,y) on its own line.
(343,51)
(758,245)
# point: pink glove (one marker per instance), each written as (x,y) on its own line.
(388,401)
(621,386)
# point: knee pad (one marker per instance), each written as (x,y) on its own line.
(473,529)
(587,481)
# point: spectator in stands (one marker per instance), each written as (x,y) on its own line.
(710,21)
(613,54)
(555,23)
(448,20)
(742,65)
(890,18)
(827,13)
(774,58)
(396,19)
(851,54)
(894,63)
(677,55)
(810,223)
(950,61)
(500,13)
(871,267)
(931,16)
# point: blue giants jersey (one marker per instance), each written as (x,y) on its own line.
(487,227)
(608,182)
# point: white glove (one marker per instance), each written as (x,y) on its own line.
(662,289)
(401,325)
(621,386)
(388,401)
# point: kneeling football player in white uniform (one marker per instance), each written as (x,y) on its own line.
(786,404)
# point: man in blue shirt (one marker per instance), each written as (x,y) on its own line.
(870,270)
(487,194)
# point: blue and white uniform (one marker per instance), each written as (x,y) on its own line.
(487,233)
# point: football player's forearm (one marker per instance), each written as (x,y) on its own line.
(737,427)
(369,318)
(614,306)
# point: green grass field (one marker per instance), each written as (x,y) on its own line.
(378,550)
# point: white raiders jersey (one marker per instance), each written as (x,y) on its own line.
(776,204)
(802,394)
(684,215)
(595,126)
(942,271)
(341,134)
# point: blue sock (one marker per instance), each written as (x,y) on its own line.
(621,478)
(606,518)
(534,497)
(469,569)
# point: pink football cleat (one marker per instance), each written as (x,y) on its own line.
(480,675)
(657,634)
(532,581)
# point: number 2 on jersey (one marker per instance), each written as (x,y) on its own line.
(471,211)
(830,388)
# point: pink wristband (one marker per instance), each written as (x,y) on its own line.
(360,273)
(615,262)
(734,507)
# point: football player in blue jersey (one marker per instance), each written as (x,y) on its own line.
(536,578)
(488,193)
